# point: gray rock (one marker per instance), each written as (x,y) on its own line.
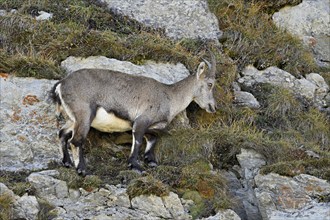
(27,124)
(227,214)
(3,12)
(313,87)
(118,197)
(313,186)
(49,188)
(309,21)
(44,16)
(317,211)
(250,162)
(57,211)
(173,204)
(5,191)
(180,19)
(246,99)
(163,72)
(151,204)
(26,207)
(291,198)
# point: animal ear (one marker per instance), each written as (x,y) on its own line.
(201,70)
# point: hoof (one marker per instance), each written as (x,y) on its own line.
(152,164)
(67,164)
(81,172)
(136,168)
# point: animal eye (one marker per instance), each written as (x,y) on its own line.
(210,85)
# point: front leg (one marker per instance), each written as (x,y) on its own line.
(139,128)
(149,154)
(133,161)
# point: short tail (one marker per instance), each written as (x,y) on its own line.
(53,94)
(55,97)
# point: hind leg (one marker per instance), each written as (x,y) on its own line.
(81,129)
(65,134)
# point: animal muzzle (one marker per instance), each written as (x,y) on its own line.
(211,108)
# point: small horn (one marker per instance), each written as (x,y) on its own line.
(208,63)
(213,64)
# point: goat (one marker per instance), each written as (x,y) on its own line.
(111,101)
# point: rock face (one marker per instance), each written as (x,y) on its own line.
(162,72)
(313,87)
(243,189)
(309,21)
(292,198)
(110,202)
(180,19)
(28,124)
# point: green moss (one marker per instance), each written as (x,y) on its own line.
(45,210)
(145,186)
(74,181)
(27,66)
(316,167)
(6,202)
(16,181)
(198,208)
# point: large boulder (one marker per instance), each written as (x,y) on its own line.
(309,21)
(313,88)
(28,124)
(180,18)
(26,207)
(281,197)
(163,72)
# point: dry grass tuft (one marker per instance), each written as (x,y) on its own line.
(250,37)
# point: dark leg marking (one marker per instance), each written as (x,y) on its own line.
(149,155)
(139,128)
(64,136)
(81,129)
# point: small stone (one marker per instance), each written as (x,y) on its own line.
(227,214)
(246,99)
(57,211)
(26,207)
(44,16)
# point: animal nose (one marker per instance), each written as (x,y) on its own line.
(212,108)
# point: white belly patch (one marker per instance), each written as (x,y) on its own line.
(109,122)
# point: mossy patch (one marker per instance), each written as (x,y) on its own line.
(74,181)
(315,167)
(145,186)
(6,202)
(16,181)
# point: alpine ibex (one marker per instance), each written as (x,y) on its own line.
(111,101)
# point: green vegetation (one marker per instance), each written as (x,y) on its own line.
(32,48)
(74,181)
(282,130)
(16,182)
(250,37)
(6,201)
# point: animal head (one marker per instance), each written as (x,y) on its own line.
(205,83)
